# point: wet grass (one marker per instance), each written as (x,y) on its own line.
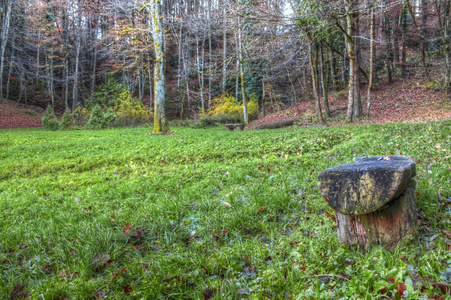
(122,214)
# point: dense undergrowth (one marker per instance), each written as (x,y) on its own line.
(122,214)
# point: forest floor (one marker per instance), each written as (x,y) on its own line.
(14,115)
(404,101)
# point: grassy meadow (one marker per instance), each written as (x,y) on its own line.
(209,214)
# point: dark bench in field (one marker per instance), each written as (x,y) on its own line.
(237,126)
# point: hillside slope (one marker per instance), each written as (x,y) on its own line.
(13,115)
(407,101)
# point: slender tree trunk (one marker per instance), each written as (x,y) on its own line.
(4,40)
(238,68)
(75,91)
(370,83)
(324,85)
(51,80)
(312,60)
(404,13)
(333,73)
(424,43)
(388,52)
(243,90)
(210,61)
(94,69)
(447,42)
(179,75)
(262,105)
(160,67)
(224,55)
(352,59)
(357,101)
(11,65)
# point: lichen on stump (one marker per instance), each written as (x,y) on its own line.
(374,199)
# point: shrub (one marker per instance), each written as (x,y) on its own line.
(252,107)
(66,121)
(100,119)
(131,112)
(227,106)
(81,116)
(179,123)
(108,94)
(49,120)
(205,121)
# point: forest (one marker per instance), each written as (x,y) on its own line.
(238,59)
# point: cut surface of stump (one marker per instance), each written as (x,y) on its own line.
(367,185)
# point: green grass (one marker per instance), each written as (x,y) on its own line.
(274,241)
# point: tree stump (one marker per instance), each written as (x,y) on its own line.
(373,198)
(237,126)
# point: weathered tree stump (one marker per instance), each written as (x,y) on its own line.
(237,126)
(373,198)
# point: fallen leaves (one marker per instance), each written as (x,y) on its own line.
(331,216)
(127,289)
(19,292)
(401,288)
(208,293)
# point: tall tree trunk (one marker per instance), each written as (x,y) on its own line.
(262,105)
(179,75)
(238,68)
(357,101)
(424,43)
(447,42)
(352,60)
(94,68)
(11,65)
(333,73)
(4,39)
(66,85)
(160,67)
(313,60)
(75,91)
(210,62)
(224,54)
(370,83)
(388,42)
(243,89)
(404,13)
(325,85)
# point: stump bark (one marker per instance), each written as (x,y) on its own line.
(374,200)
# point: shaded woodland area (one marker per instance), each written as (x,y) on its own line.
(271,53)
